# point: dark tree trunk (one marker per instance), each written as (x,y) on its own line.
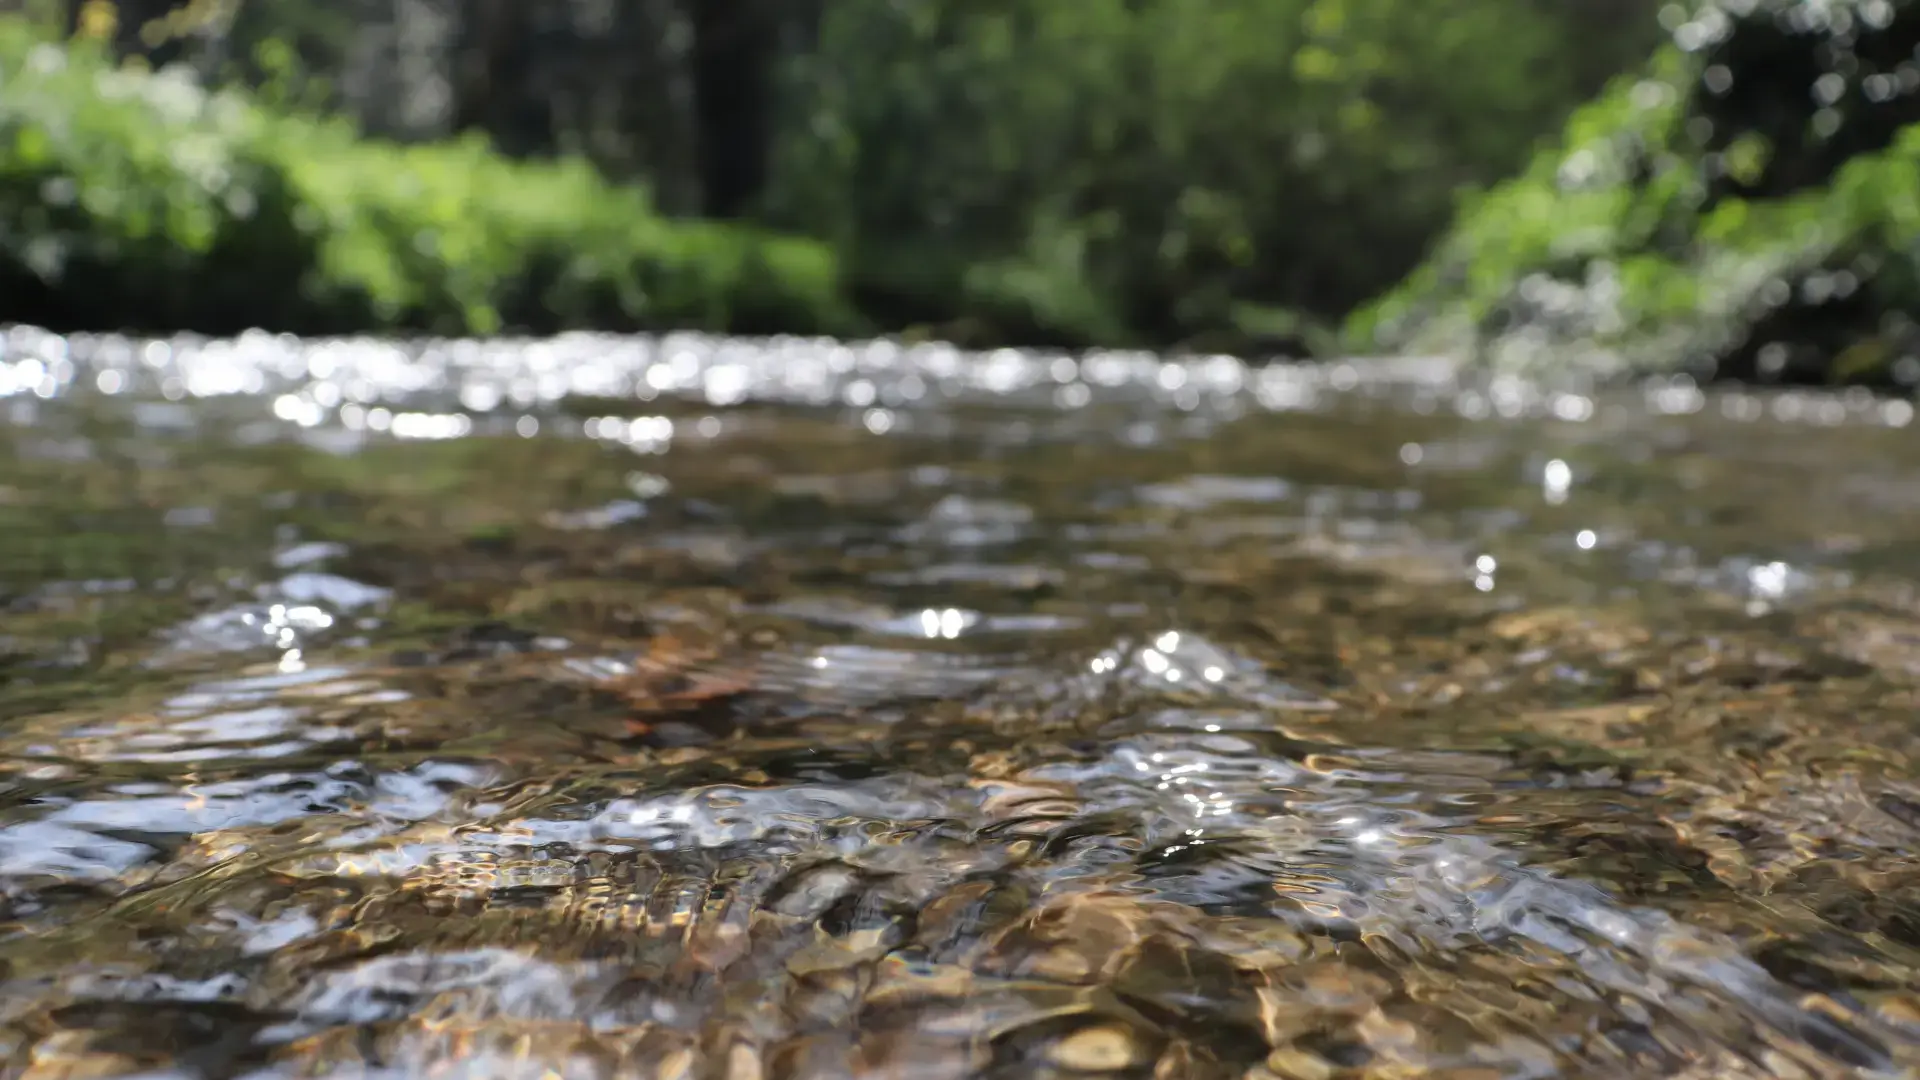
(493,77)
(734,44)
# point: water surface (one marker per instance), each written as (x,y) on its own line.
(700,708)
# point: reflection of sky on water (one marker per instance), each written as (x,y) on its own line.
(290,612)
(235,730)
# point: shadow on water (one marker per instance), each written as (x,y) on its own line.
(695,708)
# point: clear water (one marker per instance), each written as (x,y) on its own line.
(700,708)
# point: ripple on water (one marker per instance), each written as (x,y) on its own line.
(480,984)
(105,836)
(290,615)
(255,717)
(723,815)
(1184,664)
(36,850)
(1013,577)
(963,521)
(853,675)
(929,623)
(1204,492)
(1231,829)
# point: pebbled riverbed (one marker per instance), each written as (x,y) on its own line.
(616,707)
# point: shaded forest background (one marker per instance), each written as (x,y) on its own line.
(1222,174)
(1119,169)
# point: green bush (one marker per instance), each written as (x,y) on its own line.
(1708,214)
(139,200)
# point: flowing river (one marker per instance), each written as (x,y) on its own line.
(700,708)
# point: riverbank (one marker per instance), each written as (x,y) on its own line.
(1746,206)
(141,201)
(1656,234)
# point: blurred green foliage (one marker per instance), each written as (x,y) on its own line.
(1225,172)
(141,200)
(1747,205)
(1232,174)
